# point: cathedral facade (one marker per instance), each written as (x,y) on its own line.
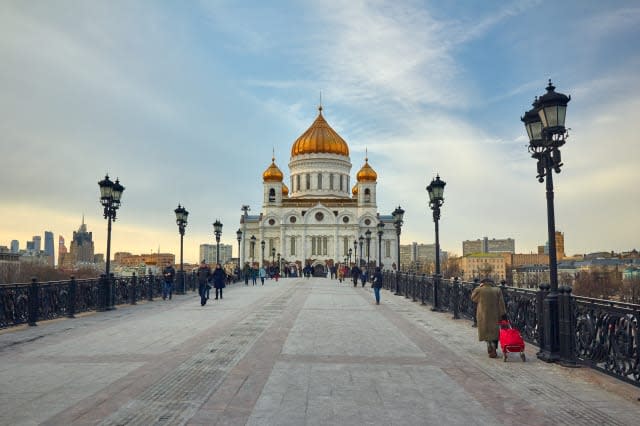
(319,219)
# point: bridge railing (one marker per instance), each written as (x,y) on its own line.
(601,334)
(40,301)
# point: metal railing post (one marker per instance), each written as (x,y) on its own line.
(33,302)
(567,328)
(455,298)
(150,290)
(134,289)
(71,298)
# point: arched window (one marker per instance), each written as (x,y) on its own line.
(319,180)
(272,195)
(308,179)
(367,195)
(341,187)
(297,182)
(331,181)
(293,246)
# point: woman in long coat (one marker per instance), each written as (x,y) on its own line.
(219,278)
(490,310)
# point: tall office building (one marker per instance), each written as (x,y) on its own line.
(62,251)
(486,245)
(37,243)
(208,253)
(15,246)
(48,247)
(81,250)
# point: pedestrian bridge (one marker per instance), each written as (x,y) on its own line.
(293,352)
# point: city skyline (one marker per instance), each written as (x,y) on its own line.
(187,104)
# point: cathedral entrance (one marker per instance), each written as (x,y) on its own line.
(319,270)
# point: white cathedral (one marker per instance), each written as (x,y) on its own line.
(321,221)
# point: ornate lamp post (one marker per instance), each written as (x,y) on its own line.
(279,266)
(360,242)
(380,227)
(217,231)
(398,214)
(262,243)
(253,249)
(273,255)
(546,131)
(350,252)
(181,220)
(110,194)
(239,238)
(436,200)
(355,252)
(367,237)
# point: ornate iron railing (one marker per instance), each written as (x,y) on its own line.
(33,302)
(601,334)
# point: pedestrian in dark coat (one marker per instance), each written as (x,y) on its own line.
(490,310)
(355,273)
(204,273)
(377,284)
(219,278)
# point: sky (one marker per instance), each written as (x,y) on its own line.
(185,102)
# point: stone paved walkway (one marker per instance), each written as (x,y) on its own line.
(295,352)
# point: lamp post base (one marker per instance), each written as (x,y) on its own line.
(550,347)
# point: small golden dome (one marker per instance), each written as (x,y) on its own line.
(273,173)
(354,190)
(366,173)
(285,190)
(320,138)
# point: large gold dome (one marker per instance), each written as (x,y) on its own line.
(320,138)
(366,173)
(354,190)
(273,173)
(285,190)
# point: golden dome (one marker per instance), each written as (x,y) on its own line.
(354,190)
(320,138)
(285,190)
(366,173)
(273,173)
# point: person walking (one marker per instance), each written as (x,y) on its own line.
(365,276)
(247,273)
(377,284)
(340,273)
(203,274)
(263,274)
(254,275)
(490,309)
(355,273)
(169,274)
(219,278)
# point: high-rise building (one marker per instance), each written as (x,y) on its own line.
(48,247)
(37,243)
(208,253)
(81,248)
(62,251)
(15,246)
(30,247)
(486,245)
(560,254)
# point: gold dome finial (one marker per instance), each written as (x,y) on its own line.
(273,173)
(320,138)
(366,173)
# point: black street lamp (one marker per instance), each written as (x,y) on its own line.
(355,252)
(181,221)
(253,249)
(262,243)
(367,237)
(239,238)
(279,266)
(273,255)
(110,194)
(436,200)
(350,252)
(398,214)
(547,133)
(217,231)
(380,227)
(360,242)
